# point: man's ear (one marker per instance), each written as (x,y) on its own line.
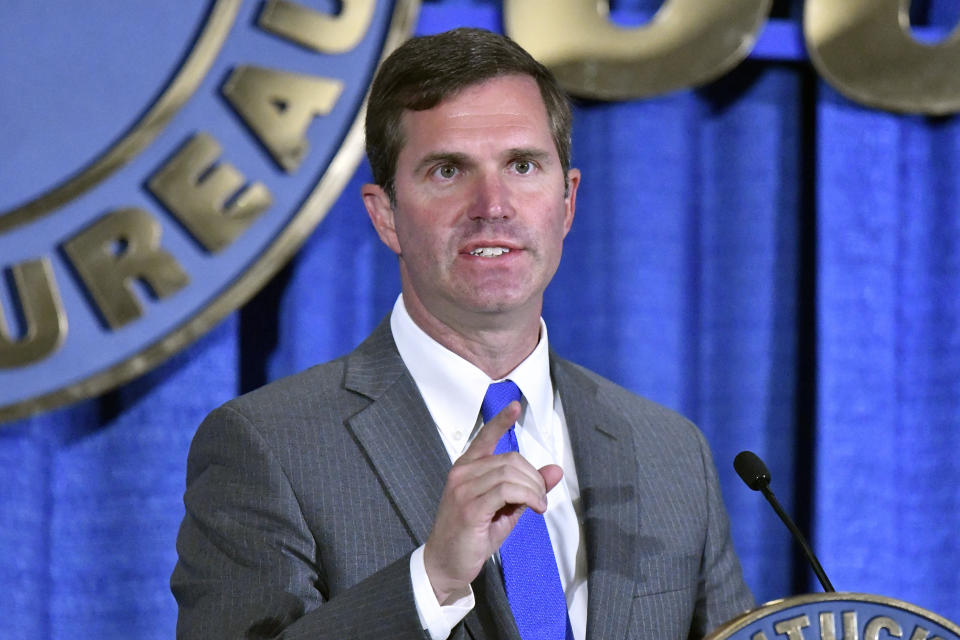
(570,201)
(379,209)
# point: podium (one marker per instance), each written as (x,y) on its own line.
(837,616)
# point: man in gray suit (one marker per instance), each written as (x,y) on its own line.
(363,498)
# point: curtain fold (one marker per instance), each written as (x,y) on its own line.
(888,478)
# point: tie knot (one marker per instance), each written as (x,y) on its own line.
(499,395)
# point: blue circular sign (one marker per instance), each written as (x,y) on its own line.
(166,162)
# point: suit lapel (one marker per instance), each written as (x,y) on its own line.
(397,432)
(606,470)
(403,444)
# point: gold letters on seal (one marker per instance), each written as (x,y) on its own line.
(687,43)
(120,271)
(865,50)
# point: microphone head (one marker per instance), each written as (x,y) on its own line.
(751,470)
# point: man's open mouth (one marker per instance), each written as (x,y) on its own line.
(489,252)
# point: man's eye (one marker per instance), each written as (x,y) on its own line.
(523,166)
(447,172)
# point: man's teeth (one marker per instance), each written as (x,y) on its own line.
(489,252)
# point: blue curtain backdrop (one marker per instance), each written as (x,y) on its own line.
(767,257)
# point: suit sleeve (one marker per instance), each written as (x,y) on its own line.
(721,592)
(249,567)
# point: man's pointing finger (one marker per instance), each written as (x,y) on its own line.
(486,441)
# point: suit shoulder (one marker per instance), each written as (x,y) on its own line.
(312,395)
(318,401)
(648,419)
(318,380)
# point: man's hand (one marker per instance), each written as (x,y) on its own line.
(481,502)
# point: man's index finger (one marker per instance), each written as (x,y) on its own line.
(486,441)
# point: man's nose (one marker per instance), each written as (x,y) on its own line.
(491,198)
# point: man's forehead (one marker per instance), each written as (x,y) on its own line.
(495,106)
(507,85)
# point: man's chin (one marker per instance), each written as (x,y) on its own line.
(506,304)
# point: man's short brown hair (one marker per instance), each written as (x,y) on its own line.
(424,71)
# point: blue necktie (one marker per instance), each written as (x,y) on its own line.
(529,568)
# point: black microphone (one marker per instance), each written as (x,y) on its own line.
(754,473)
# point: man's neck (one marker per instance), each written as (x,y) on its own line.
(494,343)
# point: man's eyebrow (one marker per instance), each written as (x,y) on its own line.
(441,157)
(528,153)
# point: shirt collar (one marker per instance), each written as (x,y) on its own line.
(453,387)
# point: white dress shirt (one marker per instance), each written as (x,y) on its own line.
(453,390)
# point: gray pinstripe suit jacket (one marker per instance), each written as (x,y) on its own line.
(305,498)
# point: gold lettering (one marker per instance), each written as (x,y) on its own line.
(865,50)
(872,632)
(828,626)
(687,43)
(318,31)
(42,309)
(206,198)
(278,107)
(759,635)
(850,630)
(792,628)
(919,633)
(117,249)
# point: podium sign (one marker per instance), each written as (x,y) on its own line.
(837,616)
